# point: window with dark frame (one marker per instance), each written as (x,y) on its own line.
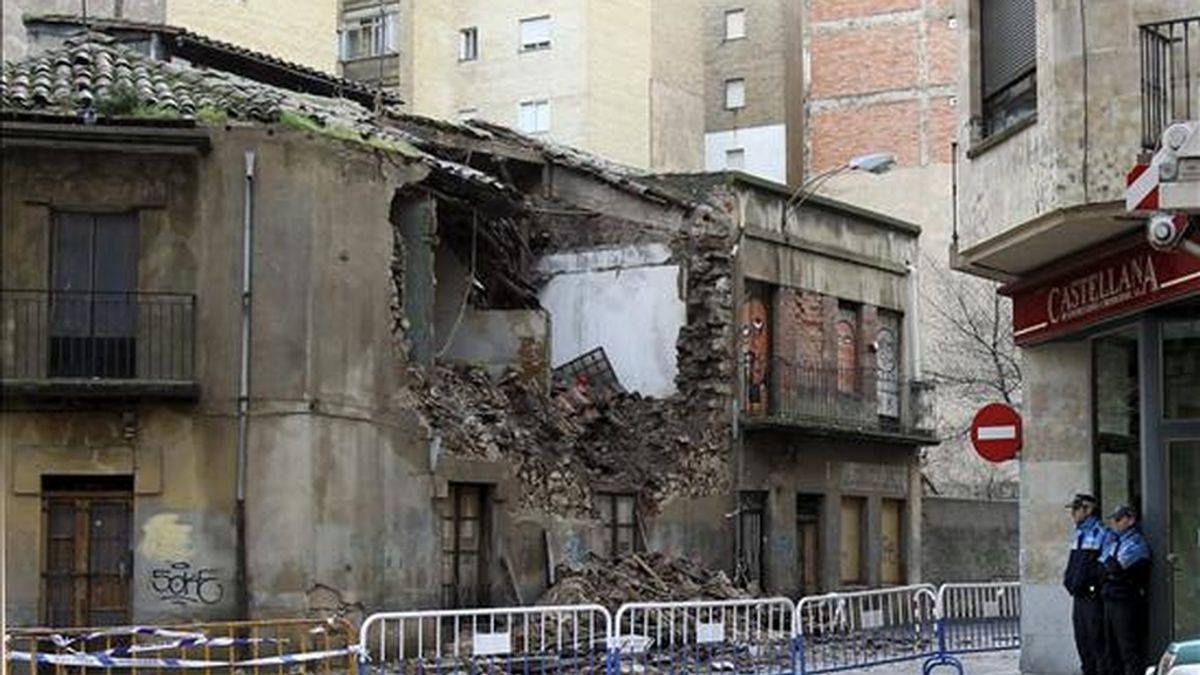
(620,517)
(368,36)
(1008,63)
(468,44)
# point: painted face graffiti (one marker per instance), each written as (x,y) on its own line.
(180,584)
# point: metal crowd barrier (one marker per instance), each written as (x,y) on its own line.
(846,631)
(741,636)
(571,639)
(246,647)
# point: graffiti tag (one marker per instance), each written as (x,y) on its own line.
(180,584)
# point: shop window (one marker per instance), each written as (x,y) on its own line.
(853,524)
(808,542)
(1181,369)
(86,568)
(619,513)
(892,568)
(1008,62)
(1117,418)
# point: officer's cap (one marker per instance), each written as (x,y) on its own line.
(1123,511)
(1082,500)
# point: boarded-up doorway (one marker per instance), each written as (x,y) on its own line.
(87,560)
(808,542)
(892,570)
(752,536)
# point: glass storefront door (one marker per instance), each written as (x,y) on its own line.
(1184,554)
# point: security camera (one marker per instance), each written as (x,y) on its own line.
(1164,232)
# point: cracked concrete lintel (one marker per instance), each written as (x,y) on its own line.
(605,260)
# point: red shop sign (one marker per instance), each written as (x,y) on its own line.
(1136,277)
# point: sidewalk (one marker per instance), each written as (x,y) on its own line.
(993,663)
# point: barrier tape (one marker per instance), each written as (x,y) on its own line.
(103,660)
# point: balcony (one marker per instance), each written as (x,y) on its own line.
(839,401)
(66,344)
(1170,54)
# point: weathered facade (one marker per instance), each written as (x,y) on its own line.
(397,439)
(1105,322)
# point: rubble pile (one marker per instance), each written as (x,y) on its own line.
(637,577)
(561,443)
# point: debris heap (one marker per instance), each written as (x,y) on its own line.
(563,442)
(637,577)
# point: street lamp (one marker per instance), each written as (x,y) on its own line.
(874,162)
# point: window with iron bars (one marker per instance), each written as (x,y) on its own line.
(619,514)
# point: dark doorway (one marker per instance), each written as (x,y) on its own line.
(465,537)
(808,542)
(87,563)
(752,534)
(93,303)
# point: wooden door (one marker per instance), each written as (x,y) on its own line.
(892,525)
(464,547)
(808,538)
(87,557)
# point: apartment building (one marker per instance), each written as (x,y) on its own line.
(1062,100)
(622,79)
(304,33)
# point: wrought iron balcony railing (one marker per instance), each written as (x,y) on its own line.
(862,399)
(1170,54)
(49,338)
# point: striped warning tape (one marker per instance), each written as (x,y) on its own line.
(103,660)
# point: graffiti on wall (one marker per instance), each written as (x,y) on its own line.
(756,347)
(181,584)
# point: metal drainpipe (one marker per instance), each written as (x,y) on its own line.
(243,399)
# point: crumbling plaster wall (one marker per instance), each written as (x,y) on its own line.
(626,300)
(332,439)
(180,458)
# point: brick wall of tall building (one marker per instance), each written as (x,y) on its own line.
(883,77)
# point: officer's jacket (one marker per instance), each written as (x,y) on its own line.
(1084,574)
(1126,561)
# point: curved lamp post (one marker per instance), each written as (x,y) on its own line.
(874,162)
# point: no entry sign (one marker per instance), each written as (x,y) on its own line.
(996,432)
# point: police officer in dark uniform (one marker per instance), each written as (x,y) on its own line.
(1126,561)
(1083,578)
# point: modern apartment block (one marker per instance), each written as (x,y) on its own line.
(299,32)
(622,79)
(754,88)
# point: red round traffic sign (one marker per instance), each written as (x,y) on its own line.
(996,432)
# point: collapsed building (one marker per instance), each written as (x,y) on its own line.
(265,350)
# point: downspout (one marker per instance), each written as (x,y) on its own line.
(243,399)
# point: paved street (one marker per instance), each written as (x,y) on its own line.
(997,663)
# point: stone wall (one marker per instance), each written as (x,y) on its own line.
(966,540)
